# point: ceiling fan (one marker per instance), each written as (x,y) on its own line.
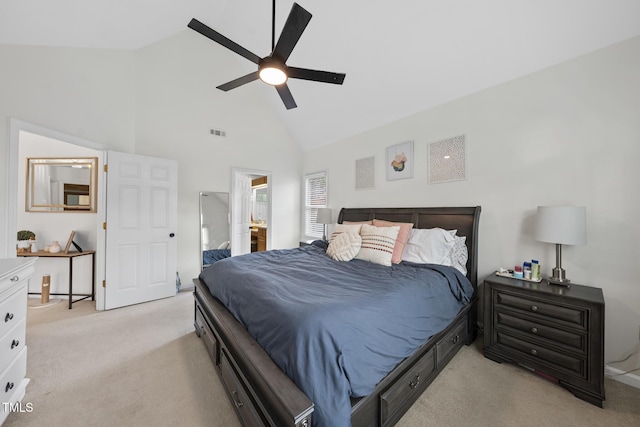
(273,69)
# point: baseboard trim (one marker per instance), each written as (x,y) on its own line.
(619,375)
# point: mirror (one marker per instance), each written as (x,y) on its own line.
(61,184)
(214,227)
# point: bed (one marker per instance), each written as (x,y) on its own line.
(255,378)
(210,256)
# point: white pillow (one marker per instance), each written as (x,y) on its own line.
(344,228)
(377,244)
(459,254)
(429,246)
(344,247)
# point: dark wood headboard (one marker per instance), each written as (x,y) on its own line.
(463,219)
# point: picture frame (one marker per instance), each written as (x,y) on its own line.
(71,236)
(448,160)
(399,163)
(366,173)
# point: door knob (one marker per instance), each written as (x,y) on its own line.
(172,235)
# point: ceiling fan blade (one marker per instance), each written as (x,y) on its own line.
(291,32)
(239,81)
(219,38)
(315,75)
(285,95)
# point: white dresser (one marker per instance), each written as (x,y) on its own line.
(14,278)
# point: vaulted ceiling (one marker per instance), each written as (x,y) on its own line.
(399,57)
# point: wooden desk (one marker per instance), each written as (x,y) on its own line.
(70,256)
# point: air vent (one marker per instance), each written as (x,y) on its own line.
(217,132)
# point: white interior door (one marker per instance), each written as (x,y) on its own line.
(241,214)
(141,247)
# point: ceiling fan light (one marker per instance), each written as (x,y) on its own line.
(272,75)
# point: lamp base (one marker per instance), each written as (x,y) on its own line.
(558,277)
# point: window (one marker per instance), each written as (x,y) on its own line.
(315,196)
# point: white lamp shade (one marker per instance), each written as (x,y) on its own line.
(566,225)
(324,216)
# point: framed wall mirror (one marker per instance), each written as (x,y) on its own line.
(61,184)
(214,227)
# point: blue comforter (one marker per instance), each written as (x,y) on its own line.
(212,255)
(336,328)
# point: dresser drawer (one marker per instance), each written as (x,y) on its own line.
(13,375)
(15,277)
(13,310)
(12,343)
(577,341)
(575,316)
(407,389)
(448,345)
(208,337)
(560,361)
(240,399)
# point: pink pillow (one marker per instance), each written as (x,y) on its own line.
(401,240)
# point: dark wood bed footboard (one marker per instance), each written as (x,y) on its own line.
(260,392)
(263,395)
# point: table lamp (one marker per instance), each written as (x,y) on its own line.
(324,217)
(561,225)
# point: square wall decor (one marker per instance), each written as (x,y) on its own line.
(447,160)
(400,161)
(366,173)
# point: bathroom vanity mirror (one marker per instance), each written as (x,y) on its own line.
(61,184)
(214,227)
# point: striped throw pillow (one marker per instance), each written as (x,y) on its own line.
(377,244)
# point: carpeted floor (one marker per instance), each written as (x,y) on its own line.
(144,366)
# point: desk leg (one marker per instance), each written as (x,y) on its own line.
(70,282)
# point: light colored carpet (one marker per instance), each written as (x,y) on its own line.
(144,366)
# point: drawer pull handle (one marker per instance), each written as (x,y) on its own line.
(416,380)
(14,344)
(238,403)
(534,330)
(8,387)
(534,351)
(455,339)
(15,279)
(8,317)
(534,308)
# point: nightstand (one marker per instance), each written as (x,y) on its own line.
(555,330)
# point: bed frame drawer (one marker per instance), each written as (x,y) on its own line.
(208,337)
(405,391)
(239,396)
(449,345)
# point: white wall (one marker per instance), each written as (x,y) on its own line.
(87,93)
(177,104)
(159,101)
(569,135)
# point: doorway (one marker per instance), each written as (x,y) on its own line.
(243,223)
(58,144)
